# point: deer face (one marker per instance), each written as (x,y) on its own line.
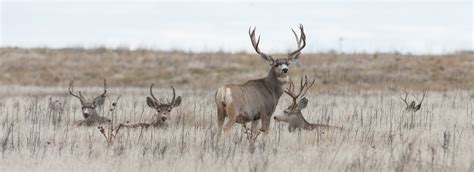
(292,111)
(281,66)
(163,109)
(89,107)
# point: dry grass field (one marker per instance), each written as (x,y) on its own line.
(359,92)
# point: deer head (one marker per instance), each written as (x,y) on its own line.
(163,108)
(280,66)
(299,102)
(413,106)
(89,106)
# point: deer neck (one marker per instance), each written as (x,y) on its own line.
(306,124)
(275,83)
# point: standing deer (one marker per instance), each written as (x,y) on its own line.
(256,99)
(163,109)
(292,114)
(413,107)
(89,106)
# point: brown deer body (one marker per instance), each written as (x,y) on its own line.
(292,114)
(89,112)
(256,99)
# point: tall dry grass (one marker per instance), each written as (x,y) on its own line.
(379,135)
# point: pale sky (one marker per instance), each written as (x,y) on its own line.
(418,27)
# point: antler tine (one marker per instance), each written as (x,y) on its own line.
(151,93)
(405,99)
(174,95)
(290,91)
(252,39)
(105,88)
(422,98)
(71,91)
(307,87)
(302,39)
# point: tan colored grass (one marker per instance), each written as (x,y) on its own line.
(55,67)
(378,136)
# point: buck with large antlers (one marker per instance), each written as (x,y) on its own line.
(292,114)
(256,99)
(89,106)
(413,107)
(163,108)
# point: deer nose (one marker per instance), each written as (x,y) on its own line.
(163,118)
(285,70)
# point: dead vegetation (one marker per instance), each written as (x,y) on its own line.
(358,71)
(379,135)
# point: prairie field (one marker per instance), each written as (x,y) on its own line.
(359,92)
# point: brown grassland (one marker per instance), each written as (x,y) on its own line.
(359,92)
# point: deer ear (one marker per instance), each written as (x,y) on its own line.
(177,102)
(303,103)
(150,102)
(99,101)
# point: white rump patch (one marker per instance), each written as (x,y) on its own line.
(228,95)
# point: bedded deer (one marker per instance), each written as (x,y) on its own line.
(292,114)
(413,107)
(163,108)
(256,99)
(88,107)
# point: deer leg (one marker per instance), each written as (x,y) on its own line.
(231,114)
(254,126)
(220,116)
(265,122)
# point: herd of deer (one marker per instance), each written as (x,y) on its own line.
(238,103)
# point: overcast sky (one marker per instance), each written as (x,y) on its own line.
(351,26)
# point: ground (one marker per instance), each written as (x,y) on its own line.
(359,92)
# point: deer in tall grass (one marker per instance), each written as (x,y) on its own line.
(162,108)
(256,99)
(413,107)
(292,114)
(88,106)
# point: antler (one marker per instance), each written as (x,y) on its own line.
(156,100)
(151,93)
(300,40)
(255,44)
(304,87)
(174,95)
(405,99)
(71,90)
(422,98)
(105,88)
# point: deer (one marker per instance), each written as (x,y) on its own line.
(256,99)
(292,114)
(163,109)
(413,107)
(88,107)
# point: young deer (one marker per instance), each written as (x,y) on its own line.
(256,99)
(88,107)
(163,109)
(292,115)
(413,107)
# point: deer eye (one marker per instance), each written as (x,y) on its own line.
(159,110)
(169,110)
